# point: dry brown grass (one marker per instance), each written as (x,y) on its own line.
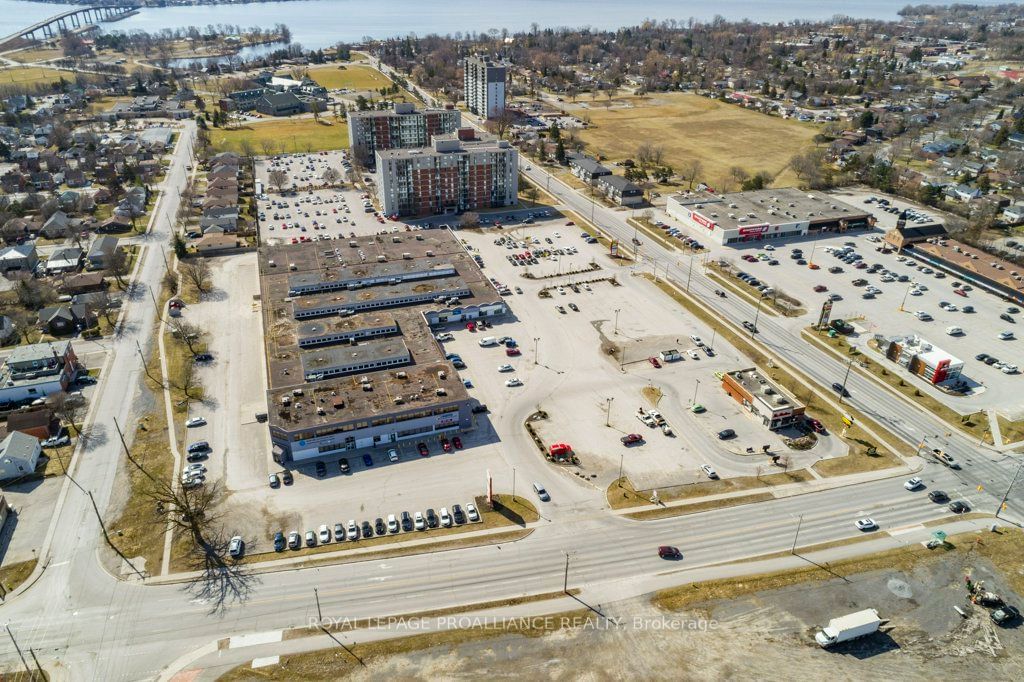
(622,495)
(691,127)
(13,575)
(706,505)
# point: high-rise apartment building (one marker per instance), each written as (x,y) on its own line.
(484,86)
(458,172)
(403,126)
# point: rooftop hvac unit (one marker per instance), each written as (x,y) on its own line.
(382,258)
(320,411)
(367,387)
(396,239)
(353,243)
(430,253)
(767,390)
(407,256)
(441,391)
(781,401)
(364,380)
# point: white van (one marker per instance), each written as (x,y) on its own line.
(392,523)
(954,331)
(446,518)
(488,341)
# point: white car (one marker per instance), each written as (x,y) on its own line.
(1005,336)
(647,419)
(693,353)
(419,522)
(867,523)
(197,467)
(514,381)
(393,455)
(709,471)
(195,421)
(471,513)
(445,336)
(561,290)
(586,287)
(913,483)
(237,547)
(392,523)
(446,518)
(325,534)
(696,339)
(916,292)
(1009,369)
(506,368)
(353,530)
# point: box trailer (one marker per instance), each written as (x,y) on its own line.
(849,627)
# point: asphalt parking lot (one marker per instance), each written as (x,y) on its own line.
(882,314)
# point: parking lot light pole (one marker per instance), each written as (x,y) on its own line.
(616,330)
(608,411)
(800,522)
(905,296)
(513,483)
(565,582)
(535,340)
(689,272)
(622,456)
(694,401)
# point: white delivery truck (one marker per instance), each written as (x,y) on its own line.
(488,341)
(848,627)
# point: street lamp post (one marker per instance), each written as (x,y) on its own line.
(608,411)
(536,339)
(689,272)
(617,311)
(799,523)
(907,293)
(622,456)
(1008,488)
(565,581)
(692,402)
(513,483)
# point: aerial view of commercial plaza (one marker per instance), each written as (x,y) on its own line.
(362,343)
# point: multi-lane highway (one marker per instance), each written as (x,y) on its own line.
(94,626)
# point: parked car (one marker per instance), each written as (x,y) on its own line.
(279,541)
(321,469)
(471,513)
(726,434)
(195,421)
(542,494)
(275,482)
(632,439)
(709,471)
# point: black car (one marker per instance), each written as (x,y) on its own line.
(981,356)
(343,465)
(379,526)
(840,389)
(726,434)
(201,446)
(458,514)
(1007,317)
(287,477)
(204,357)
(749,326)
(478,409)
(406,521)
(321,469)
(959,507)
(1005,615)
(432,521)
(279,541)
(938,496)
(367,529)
(196,456)
(991,360)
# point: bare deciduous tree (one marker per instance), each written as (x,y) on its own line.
(278,178)
(197,272)
(469,219)
(117,265)
(691,170)
(186,332)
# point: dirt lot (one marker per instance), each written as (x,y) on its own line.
(689,126)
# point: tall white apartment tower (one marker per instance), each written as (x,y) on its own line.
(484,86)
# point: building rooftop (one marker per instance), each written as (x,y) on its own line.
(419,374)
(975,261)
(771,206)
(757,384)
(451,143)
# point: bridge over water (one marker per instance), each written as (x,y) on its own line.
(70,21)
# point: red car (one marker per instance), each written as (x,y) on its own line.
(816,425)
(961,292)
(457,442)
(630,439)
(423,449)
(654,361)
(820,288)
(669,552)
(446,445)
(569,223)
(511,352)
(471,326)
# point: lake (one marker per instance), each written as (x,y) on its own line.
(322,23)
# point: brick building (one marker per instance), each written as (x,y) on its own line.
(403,127)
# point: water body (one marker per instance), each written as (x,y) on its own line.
(322,23)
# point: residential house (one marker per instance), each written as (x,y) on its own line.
(19,455)
(963,193)
(40,423)
(20,258)
(56,226)
(100,252)
(37,370)
(222,219)
(115,223)
(59,320)
(215,242)
(1016,140)
(64,259)
(1014,214)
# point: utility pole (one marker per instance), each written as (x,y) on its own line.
(608,411)
(689,271)
(617,310)
(1008,488)
(622,456)
(32,675)
(32,652)
(692,402)
(535,340)
(907,293)
(849,366)
(753,329)
(799,523)
(565,582)
(319,613)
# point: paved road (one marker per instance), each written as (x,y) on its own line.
(102,628)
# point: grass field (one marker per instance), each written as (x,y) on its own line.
(32,75)
(688,127)
(354,77)
(289,135)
